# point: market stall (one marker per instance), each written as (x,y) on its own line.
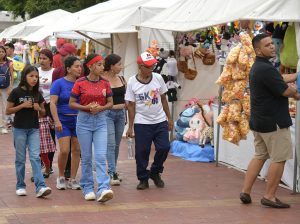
(192,15)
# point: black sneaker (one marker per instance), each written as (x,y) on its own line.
(157,180)
(119,176)
(143,185)
(114,180)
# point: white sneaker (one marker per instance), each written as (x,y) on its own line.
(90,196)
(4,131)
(106,195)
(61,183)
(44,191)
(21,192)
(73,184)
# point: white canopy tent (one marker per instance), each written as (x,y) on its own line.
(118,17)
(41,27)
(189,15)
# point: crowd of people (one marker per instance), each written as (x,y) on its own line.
(82,107)
(86,105)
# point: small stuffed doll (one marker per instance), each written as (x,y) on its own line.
(192,134)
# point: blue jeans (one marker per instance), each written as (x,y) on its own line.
(30,138)
(92,129)
(145,134)
(115,129)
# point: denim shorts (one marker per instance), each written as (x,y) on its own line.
(68,123)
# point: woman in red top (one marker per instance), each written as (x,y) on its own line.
(95,98)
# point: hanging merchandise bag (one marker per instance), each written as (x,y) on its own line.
(4,76)
(191,74)
(288,54)
(210,57)
(182,66)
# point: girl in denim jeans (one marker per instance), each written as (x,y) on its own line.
(26,102)
(116,116)
(95,98)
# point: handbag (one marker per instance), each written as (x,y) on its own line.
(182,66)
(191,74)
(210,57)
(185,51)
(288,54)
(200,52)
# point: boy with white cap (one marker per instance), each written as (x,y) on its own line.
(150,118)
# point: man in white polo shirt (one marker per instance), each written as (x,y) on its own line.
(149,116)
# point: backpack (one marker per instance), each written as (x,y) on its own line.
(4,75)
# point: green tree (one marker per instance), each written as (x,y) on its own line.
(15,6)
(34,8)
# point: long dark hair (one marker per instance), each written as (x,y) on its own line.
(5,57)
(88,58)
(69,62)
(110,60)
(27,69)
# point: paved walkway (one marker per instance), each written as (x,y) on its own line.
(194,193)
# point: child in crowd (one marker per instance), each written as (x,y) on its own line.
(46,143)
(26,102)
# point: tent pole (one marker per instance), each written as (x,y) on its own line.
(112,42)
(295,172)
(297,146)
(96,41)
(297,118)
(172,115)
(219,108)
(218,126)
(87,41)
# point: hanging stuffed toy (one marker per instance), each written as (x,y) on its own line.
(172,89)
(258,27)
(153,49)
(288,56)
(278,35)
(163,55)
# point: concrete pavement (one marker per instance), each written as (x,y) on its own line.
(194,193)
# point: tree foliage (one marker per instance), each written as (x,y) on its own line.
(34,8)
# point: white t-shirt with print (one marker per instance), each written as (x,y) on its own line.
(45,83)
(147,98)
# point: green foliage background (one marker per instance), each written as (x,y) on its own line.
(34,8)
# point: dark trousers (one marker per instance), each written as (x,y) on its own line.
(145,134)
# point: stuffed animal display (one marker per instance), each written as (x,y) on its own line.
(195,125)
